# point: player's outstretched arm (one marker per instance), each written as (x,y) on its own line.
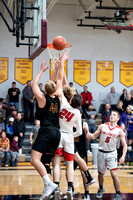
(122,138)
(38,94)
(93,136)
(60,75)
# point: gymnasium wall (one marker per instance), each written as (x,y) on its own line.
(87,44)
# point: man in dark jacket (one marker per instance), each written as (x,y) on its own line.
(13,94)
(28,100)
(19,129)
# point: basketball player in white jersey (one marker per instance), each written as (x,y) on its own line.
(107,154)
(68,117)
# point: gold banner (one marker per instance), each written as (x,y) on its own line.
(82,72)
(105,72)
(23,70)
(126,73)
(3,69)
(52,70)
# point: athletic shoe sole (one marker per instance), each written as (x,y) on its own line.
(90,183)
(69,195)
(57,195)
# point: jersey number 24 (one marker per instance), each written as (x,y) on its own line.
(65,113)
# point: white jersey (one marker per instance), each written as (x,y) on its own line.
(108,137)
(69,117)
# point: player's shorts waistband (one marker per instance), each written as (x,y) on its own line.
(105,151)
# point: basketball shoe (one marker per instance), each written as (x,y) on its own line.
(57,194)
(48,190)
(90,180)
(87,197)
(117,197)
(100,193)
(69,194)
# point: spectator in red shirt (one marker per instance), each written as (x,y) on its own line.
(14,151)
(87,98)
(4,148)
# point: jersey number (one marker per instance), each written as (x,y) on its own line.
(107,139)
(66,114)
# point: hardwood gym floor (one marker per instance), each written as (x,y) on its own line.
(24,183)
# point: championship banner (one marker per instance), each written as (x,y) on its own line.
(126,73)
(82,72)
(23,70)
(3,69)
(52,70)
(105,72)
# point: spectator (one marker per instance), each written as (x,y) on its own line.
(106,113)
(2,117)
(38,110)
(4,148)
(124,95)
(91,116)
(19,130)
(9,129)
(4,104)
(9,109)
(127,118)
(112,98)
(28,100)
(87,98)
(128,101)
(14,151)
(131,94)
(13,114)
(14,93)
(34,131)
(119,107)
(71,85)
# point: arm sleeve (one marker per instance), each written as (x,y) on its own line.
(78,126)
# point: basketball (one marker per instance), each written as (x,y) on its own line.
(59,43)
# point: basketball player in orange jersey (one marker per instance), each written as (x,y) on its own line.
(48,136)
(107,154)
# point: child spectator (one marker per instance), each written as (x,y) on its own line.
(9,129)
(14,151)
(4,148)
(34,130)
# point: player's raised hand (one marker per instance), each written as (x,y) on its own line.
(43,67)
(63,57)
(57,64)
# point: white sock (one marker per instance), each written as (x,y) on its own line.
(46,179)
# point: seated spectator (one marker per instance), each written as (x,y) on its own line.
(14,151)
(112,98)
(13,114)
(91,116)
(2,117)
(131,94)
(9,129)
(127,119)
(71,85)
(106,113)
(4,104)
(13,94)
(34,131)
(87,98)
(124,95)
(19,129)
(119,107)
(4,149)
(9,110)
(127,102)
